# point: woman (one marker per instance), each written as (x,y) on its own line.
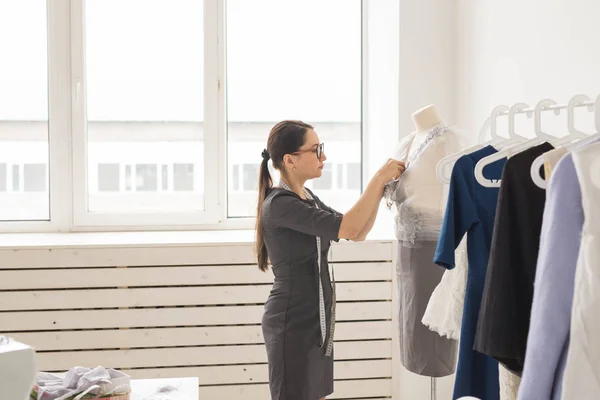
(291,225)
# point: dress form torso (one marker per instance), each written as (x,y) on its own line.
(419,198)
(420,137)
(418,195)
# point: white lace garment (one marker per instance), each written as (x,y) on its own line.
(445,308)
(419,196)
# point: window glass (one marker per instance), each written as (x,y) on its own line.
(280,65)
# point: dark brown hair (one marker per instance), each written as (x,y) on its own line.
(286,137)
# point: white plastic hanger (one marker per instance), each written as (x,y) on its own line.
(595,168)
(540,138)
(444,164)
(574,134)
(514,138)
(496,111)
(592,138)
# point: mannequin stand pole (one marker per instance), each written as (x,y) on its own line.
(433,389)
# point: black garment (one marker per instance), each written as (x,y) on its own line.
(508,293)
(298,367)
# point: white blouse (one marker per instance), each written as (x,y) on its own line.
(419,196)
(581,378)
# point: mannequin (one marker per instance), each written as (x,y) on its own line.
(424,119)
(419,198)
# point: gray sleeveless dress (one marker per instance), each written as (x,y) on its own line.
(419,198)
(298,366)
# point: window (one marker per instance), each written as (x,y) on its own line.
(109,177)
(250,181)
(128,178)
(146,178)
(340,175)
(325,182)
(34,176)
(353,177)
(144,108)
(235,179)
(3,180)
(16,178)
(165,177)
(279,67)
(23,110)
(183,177)
(108,123)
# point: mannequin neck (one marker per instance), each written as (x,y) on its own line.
(424,130)
(422,134)
(426,118)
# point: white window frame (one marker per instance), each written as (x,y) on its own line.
(59,126)
(67,128)
(83,218)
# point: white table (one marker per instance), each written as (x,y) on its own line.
(165,389)
(17,369)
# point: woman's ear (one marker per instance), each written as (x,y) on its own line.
(288,162)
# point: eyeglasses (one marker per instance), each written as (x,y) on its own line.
(317,150)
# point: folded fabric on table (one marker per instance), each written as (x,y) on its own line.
(81,383)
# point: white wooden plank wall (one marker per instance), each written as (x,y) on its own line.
(188,311)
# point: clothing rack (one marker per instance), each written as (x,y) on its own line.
(506,243)
(544,105)
(556,108)
(573,134)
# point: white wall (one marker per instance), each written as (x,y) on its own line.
(427,59)
(525,50)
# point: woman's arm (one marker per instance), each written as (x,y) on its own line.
(365,231)
(356,221)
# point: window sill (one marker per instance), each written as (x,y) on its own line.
(383,231)
(142,239)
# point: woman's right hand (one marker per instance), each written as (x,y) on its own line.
(392,169)
(358,221)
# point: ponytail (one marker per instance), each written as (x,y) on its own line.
(285,137)
(265,182)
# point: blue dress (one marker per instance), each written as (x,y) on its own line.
(471,209)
